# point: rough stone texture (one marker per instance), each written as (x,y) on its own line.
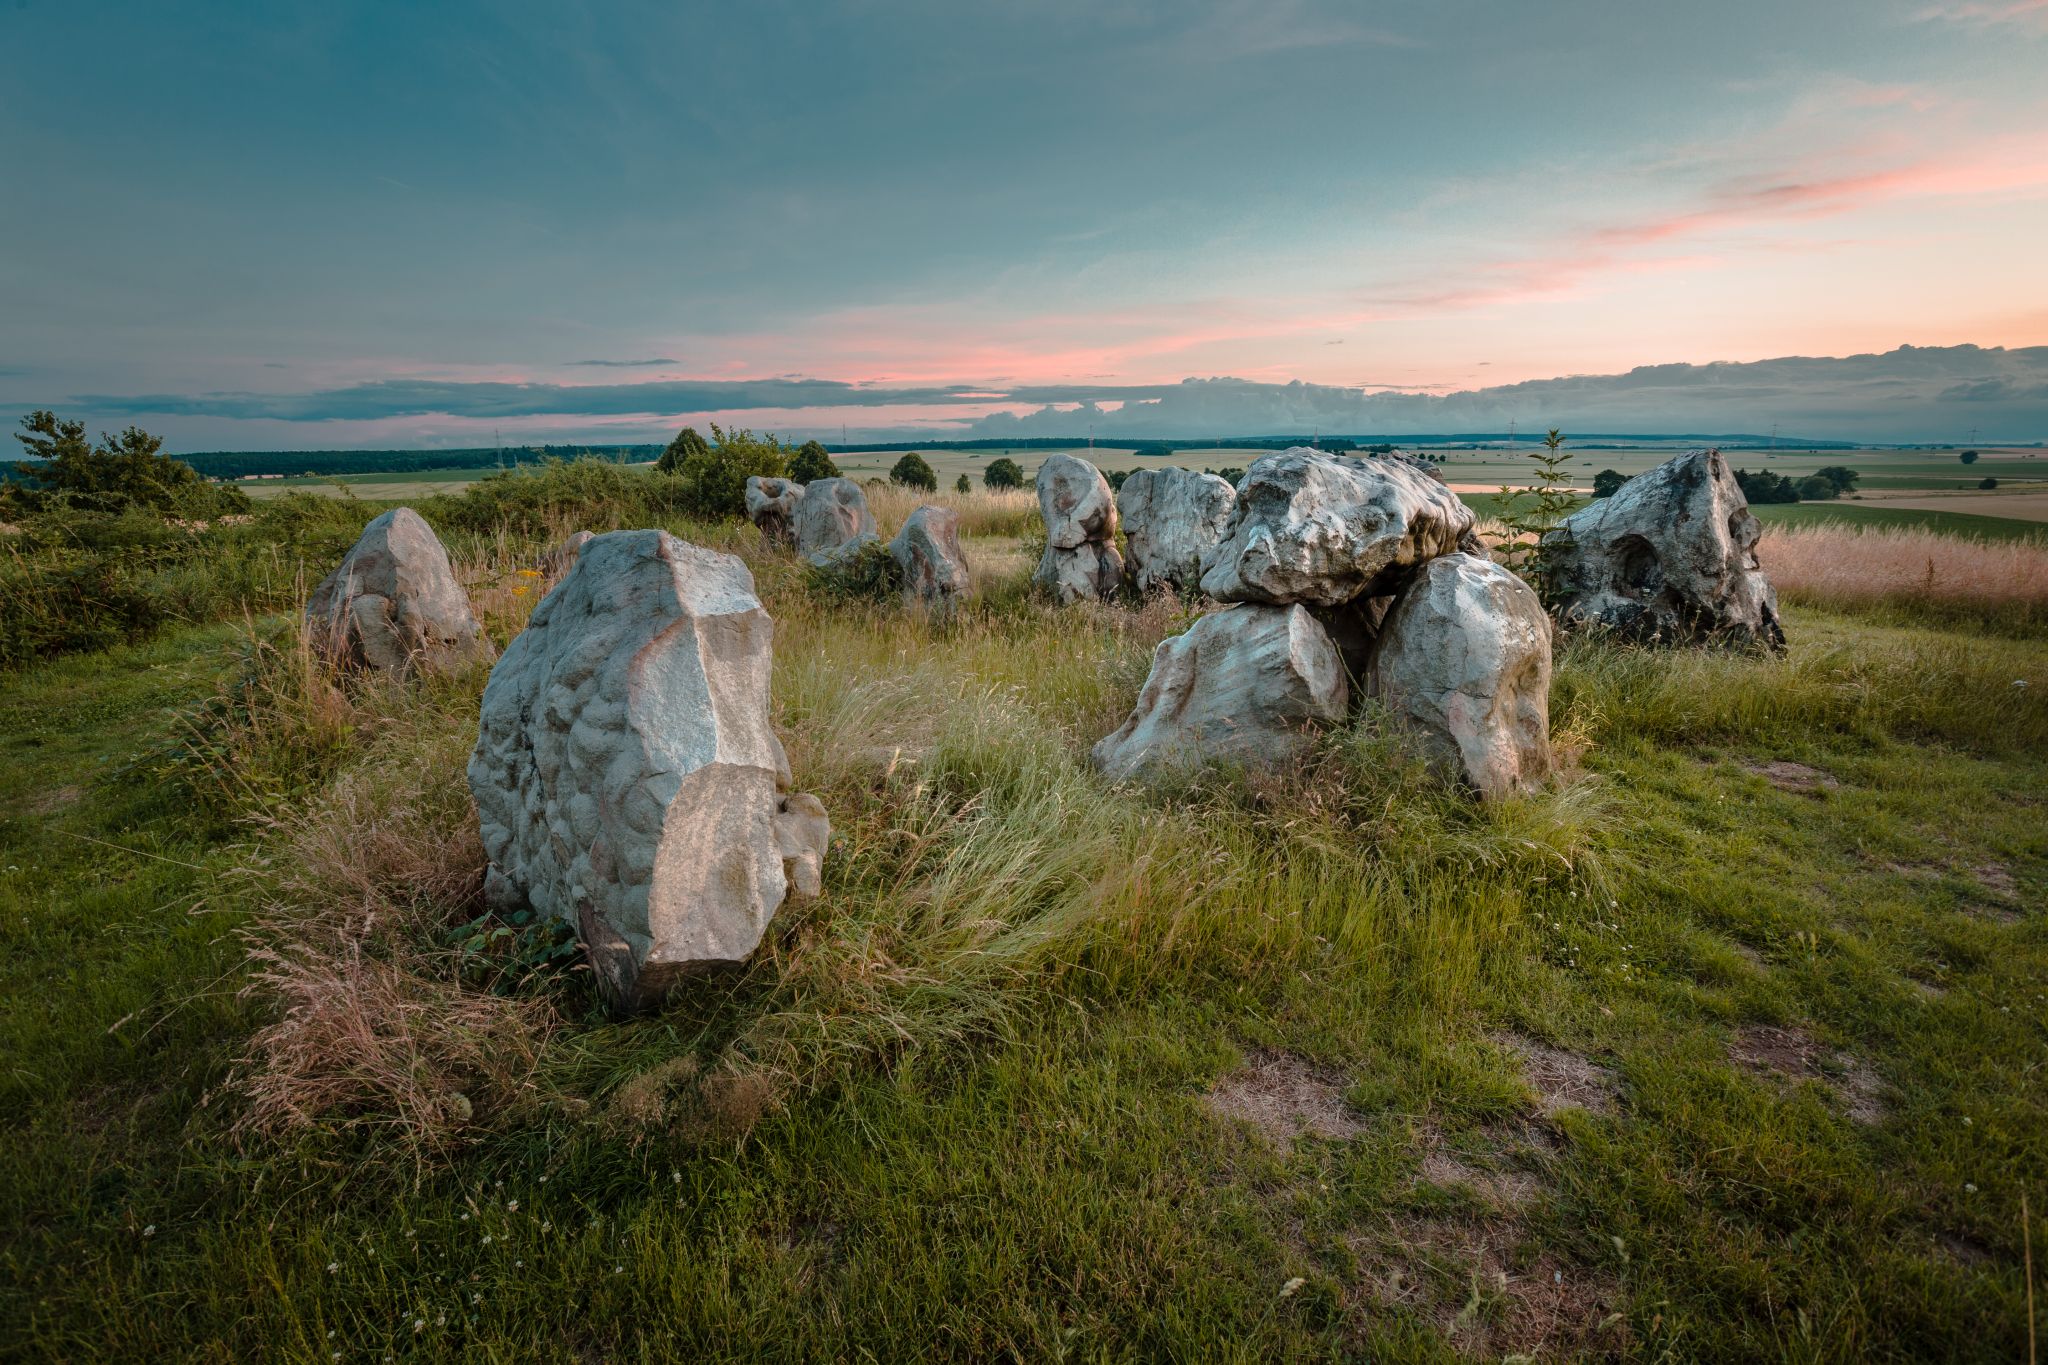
(394,602)
(1171,518)
(927,550)
(626,775)
(1081,559)
(1355,631)
(562,558)
(1325,529)
(1671,557)
(1243,685)
(832,514)
(771,505)
(1464,661)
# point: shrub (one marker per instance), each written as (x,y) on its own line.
(866,573)
(1608,482)
(120,474)
(812,463)
(1987,482)
(687,445)
(714,480)
(1968,457)
(1816,488)
(912,471)
(963,485)
(560,496)
(1003,473)
(1764,486)
(1115,478)
(1841,476)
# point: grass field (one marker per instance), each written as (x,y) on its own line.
(1729,1048)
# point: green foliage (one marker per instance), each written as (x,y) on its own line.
(1115,478)
(963,485)
(1158,450)
(561,496)
(121,473)
(1987,482)
(1764,487)
(1968,457)
(1532,512)
(1841,476)
(1608,482)
(913,471)
(865,573)
(714,476)
(1003,472)
(507,955)
(687,445)
(1817,488)
(1230,473)
(812,463)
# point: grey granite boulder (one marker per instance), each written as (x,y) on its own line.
(771,505)
(1081,560)
(1244,685)
(1463,660)
(832,514)
(626,776)
(927,554)
(1323,529)
(1670,558)
(1171,518)
(394,603)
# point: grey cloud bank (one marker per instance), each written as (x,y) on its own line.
(1908,394)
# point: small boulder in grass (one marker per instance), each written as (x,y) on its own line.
(928,556)
(1463,661)
(771,506)
(831,515)
(626,774)
(394,604)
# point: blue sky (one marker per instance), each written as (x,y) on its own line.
(253,225)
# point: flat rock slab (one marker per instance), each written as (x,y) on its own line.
(1324,530)
(1669,559)
(627,778)
(1244,685)
(1463,661)
(394,602)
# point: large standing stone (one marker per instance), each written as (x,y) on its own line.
(831,516)
(1243,685)
(771,505)
(1671,557)
(1325,529)
(626,775)
(927,552)
(1464,660)
(1171,518)
(1081,559)
(394,602)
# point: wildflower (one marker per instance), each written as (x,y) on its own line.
(512,1207)
(487,1239)
(149,1231)
(419,1325)
(1968,1188)
(334,1267)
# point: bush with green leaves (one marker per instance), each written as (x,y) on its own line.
(1816,488)
(714,476)
(121,474)
(1968,457)
(1841,476)
(913,471)
(963,485)
(867,572)
(811,463)
(1608,482)
(1533,511)
(1765,487)
(1987,482)
(561,496)
(1002,473)
(687,445)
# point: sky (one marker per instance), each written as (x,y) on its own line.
(336,224)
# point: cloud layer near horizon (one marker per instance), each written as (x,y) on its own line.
(1907,394)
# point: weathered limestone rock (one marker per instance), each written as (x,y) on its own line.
(1671,557)
(1324,529)
(1172,517)
(627,778)
(1464,661)
(1243,685)
(832,514)
(771,505)
(927,551)
(1081,559)
(394,602)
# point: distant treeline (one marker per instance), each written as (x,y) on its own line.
(1615,440)
(240,464)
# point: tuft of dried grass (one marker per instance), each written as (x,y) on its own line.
(1832,565)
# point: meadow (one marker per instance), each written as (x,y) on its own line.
(1729,1046)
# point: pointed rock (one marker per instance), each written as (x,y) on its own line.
(394,602)
(927,552)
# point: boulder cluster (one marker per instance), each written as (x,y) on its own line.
(828,522)
(1344,579)
(1081,561)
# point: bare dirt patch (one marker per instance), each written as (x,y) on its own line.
(1471,1281)
(1792,1054)
(1495,1168)
(1788,776)
(1284,1096)
(1997,879)
(1561,1079)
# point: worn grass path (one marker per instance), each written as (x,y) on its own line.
(1776,1098)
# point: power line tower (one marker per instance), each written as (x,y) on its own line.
(1511,434)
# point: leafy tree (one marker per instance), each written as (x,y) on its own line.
(686,446)
(1115,478)
(1535,510)
(1229,473)
(1816,488)
(1158,450)
(812,463)
(714,475)
(1003,473)
(1987,482)
(1969,457)
(121,473)
(963,485)
(1608,482)
(1841,476)
(1764,486)
(913,472)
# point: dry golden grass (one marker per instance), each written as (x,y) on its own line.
(1011,512)
(1842,566)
